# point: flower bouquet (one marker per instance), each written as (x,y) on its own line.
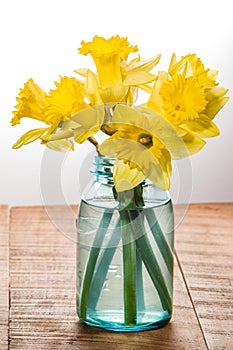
(125,223)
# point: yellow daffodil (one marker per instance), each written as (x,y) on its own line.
(143,140)
(183,98)
(53,108)
(179,142)
(216,100)
(188,96)
(137,72)
(171,124)
(32,101)
(191,65)
(117,78)
(126,177)
(82,125)
(66,100)
(92,90)
(107,55)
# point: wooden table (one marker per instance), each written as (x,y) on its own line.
(37,280)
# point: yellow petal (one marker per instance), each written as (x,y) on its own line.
(203,127)
(60,145)
(89,122)
(159,169)
(183,98)
(139,72)
(193,144)
(30,136)
(107,55)
(81,134)
(89,116)
(155,100)
(216,100)
(32,101)
(191,65)
(91,89)
(115,93)
(65,100)
(172,64)
(68,125)
(126,178)
(139,78)
(81,126)
(154,124)
(215,92)
(145,87)
(215,106)
(51,130)
(59,135)
(152,162)
(124,114)
(82,71)
(146,65)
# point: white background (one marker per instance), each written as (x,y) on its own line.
(39,39)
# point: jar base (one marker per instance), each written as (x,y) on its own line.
(117,326)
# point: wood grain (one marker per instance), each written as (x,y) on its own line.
(43,315)
(4,276)
(204,244)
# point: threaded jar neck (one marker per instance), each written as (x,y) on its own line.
(104,169)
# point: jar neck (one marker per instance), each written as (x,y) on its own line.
(103,171)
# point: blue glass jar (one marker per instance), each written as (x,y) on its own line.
(124,255)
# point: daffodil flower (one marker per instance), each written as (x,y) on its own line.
(140,142)
(66,100)
(52,109)
(82,125)
(107,55)
(183,99)
(171,124)
(125,176)
(32,101)
(117,78)
(191,65)
(188,96)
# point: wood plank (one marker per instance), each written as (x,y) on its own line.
(204,243)
(4,276)
(43,314)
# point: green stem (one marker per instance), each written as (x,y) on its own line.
(129,270)
(103,266)
(160,239)
(150,261)
(140,290)
(90,267)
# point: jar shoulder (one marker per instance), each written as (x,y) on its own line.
(100,194)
